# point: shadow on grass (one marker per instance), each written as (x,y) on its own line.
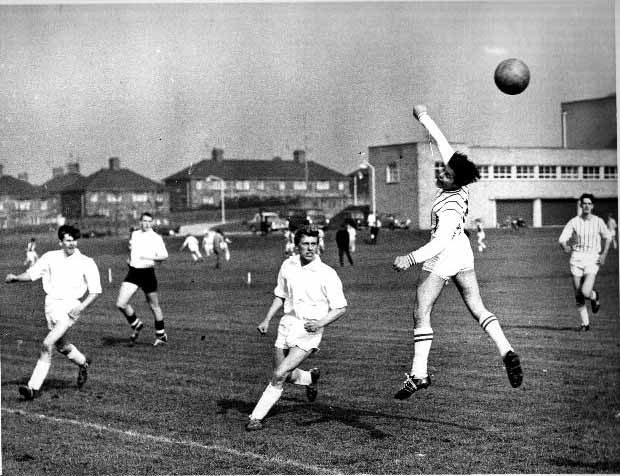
(111,341)
(544,328)
(326,413)
(592,466)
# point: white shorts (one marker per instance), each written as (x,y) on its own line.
(57,310)
(291,333)
(583,263)
(455,258)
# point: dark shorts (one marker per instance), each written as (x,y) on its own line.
(144,278)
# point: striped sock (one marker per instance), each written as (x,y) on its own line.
(422,341)
(491,326)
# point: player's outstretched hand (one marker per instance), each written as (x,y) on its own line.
(419,110)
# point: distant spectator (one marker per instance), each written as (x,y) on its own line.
(220,246)
(207,242)
(613,228)
(352,236)
(343,244)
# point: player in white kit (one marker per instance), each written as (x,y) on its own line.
(311,293)
(71,283)
(448,255)
(581,238)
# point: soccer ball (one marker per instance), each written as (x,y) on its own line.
(512,76)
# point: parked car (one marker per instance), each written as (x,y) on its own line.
(391,221)
(164,227)
(355,214)
(273,220)
(306,216)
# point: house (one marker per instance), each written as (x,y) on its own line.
(21,203)
(297,182)
(60,180)
(114,195)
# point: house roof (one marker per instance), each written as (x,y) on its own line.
(113,180)
(57,184)
(19,189)
(244,169)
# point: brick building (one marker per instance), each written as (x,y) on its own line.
(298,181)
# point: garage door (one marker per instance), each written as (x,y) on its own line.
(508,210)
(558,212)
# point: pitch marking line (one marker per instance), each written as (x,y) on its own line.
(307,468)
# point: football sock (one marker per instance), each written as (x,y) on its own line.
(75,356)
(491,326)
(583,314)
(267,400)
(159,329)
(422,341)
(133,320)
(300,377)
(39,373)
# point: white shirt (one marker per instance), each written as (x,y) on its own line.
(66,277)
(191,242)
(448,216)
(146,243)
(309,291)
(585,235)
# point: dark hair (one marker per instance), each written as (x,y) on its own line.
(586,195)
(465,171)
(145,214)
(305,231)
(72,231)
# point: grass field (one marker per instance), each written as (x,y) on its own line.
(181,409)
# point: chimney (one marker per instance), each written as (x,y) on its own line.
(115,163)
(299,156)
(23,176)
(73,168)
(1,170)
(57,172)
(217,155)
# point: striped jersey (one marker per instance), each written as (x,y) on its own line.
(450,201)
(585,235)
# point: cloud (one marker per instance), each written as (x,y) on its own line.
(495,50)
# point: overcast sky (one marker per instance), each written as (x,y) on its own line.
(160,85)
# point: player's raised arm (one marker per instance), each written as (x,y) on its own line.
(445,149)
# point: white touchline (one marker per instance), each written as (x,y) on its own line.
(309,468)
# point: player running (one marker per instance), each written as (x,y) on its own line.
(311,293)
(146,249)
(448,255)
(581,238)
(67,275)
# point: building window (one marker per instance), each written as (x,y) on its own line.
(323,185)
(199,185)
(242,185)
(139,197)
(570,172)
(208,200)
(281,186)
(546,172)
(43,205)
(159,198)
(502,172)
(591,173)
(215,184)
(484,172)
(610,172)
(114,198)
(392,173)
(341,186)
(299,185)
(525,172)
(260,185)
(94,198)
